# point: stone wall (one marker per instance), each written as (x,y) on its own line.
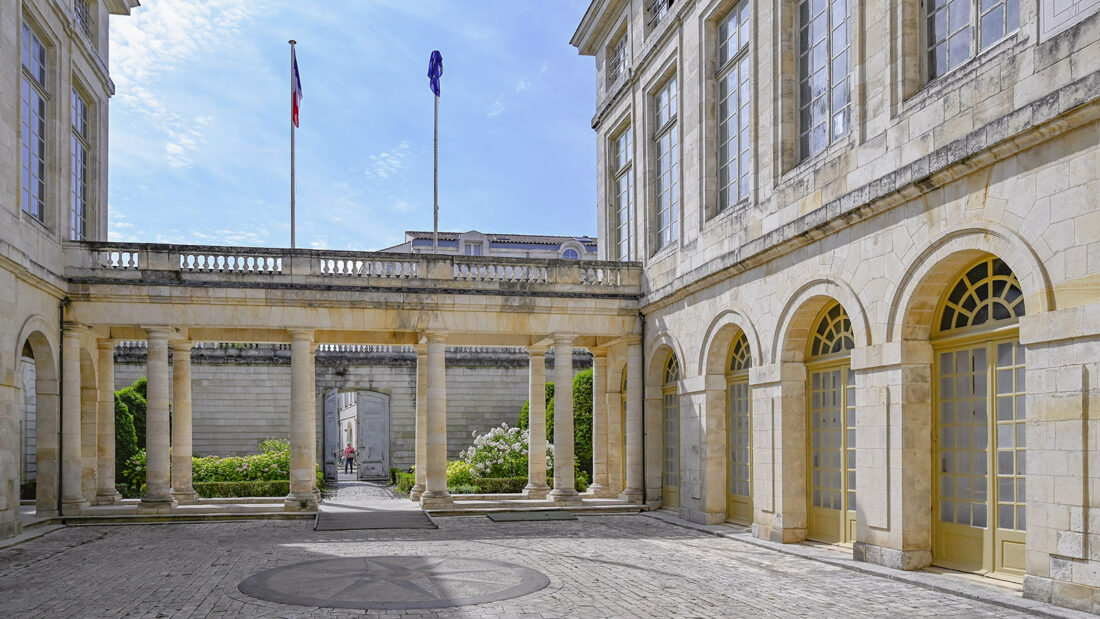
(242,395)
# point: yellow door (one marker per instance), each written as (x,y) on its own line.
(832,444)
(670,473)
(739,453)
(981,458)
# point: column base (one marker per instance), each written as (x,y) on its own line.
(73,508)
(536,492)
(10,529)
(433,499)
(302,502)
(416,491)
(600,491)
(108,498)
(156,505)
(631,496)
(565,496)
(892,557)
(185,497)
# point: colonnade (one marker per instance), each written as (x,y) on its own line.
(169,431)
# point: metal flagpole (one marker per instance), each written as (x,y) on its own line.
(435,225)
(292,95)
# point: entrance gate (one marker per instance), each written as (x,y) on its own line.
(374,435)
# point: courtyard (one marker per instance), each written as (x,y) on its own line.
(597,566)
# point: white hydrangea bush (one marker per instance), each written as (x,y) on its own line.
(502,452)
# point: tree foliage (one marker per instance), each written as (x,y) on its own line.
(126,445)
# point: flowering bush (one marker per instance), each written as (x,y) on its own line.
(501,452)
(459,473)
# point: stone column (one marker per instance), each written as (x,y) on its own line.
(72,495)
(536,422)
(715,464)
(158,490)
(182,488)
(599,487)
(615,433)
(634,387)
(105,447)
(420,460)
(303,479)
(435,495)
(564,491)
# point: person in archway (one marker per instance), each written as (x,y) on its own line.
(349,455)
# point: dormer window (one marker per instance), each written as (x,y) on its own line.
(657,11)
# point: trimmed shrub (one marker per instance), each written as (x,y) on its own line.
(133,474)
(273,445)
(225,489)
(582,421)
(126,445)
(404,481)
(459,473)
(497,485)
(464,489)
(136,404)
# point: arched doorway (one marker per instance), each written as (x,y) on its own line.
(670,417)
(831,424)
(738,433)
(980,423)
(622,426)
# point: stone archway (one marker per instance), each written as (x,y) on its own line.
(34,340)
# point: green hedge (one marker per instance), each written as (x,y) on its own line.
(221,489)
(404,481)
(498,485)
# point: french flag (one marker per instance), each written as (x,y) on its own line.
(295,87)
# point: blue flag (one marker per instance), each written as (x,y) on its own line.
(435,70)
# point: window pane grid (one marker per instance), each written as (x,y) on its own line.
(734,114)
(952,25)
(824,64)
(616,59)
(1011,439)
(667,154)
(671,471)
(33,125)
(78,214)
(964,437)
(622,145)
(827,438)
(738,440)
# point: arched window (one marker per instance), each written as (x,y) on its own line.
(738,432)
(570,254)
(831,426)
(980,420)
(671,424)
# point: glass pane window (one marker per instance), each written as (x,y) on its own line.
(616,58)
(623,171)
(824,67)
(78,212)
(671,424)
(956,29)
(738,424)
(667,169)
(473,249)
(82,16)
(32,109)
(734,109)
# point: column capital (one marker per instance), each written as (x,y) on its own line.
(300,335)
(182,345)
(434,337)
(105,344)
(158,332)
(537,351)
(598,355)
(563,339)
(74,328)
(421,349)
(633,339)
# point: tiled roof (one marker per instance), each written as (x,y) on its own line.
(504,238)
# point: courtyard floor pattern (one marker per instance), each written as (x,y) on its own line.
(598,566)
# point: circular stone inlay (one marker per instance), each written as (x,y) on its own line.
(393,582)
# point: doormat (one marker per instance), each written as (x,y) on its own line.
(387,519)
(520,516)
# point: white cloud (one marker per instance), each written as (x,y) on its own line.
(157,39)
(497,109)
(388,163)
(522,85)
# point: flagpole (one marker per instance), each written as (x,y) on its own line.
(435,225)
(292,43)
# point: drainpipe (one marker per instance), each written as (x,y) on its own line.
(60,397)
(645,483)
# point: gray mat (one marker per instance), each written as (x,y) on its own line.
(352,520)
(519,516)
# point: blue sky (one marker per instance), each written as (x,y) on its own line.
(200,129)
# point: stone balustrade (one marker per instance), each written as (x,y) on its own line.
(148,262)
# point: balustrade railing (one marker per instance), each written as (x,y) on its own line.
(93,259)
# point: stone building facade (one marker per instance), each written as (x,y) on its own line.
(474,243)
(870,234)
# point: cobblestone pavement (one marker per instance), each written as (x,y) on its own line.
(599,566)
